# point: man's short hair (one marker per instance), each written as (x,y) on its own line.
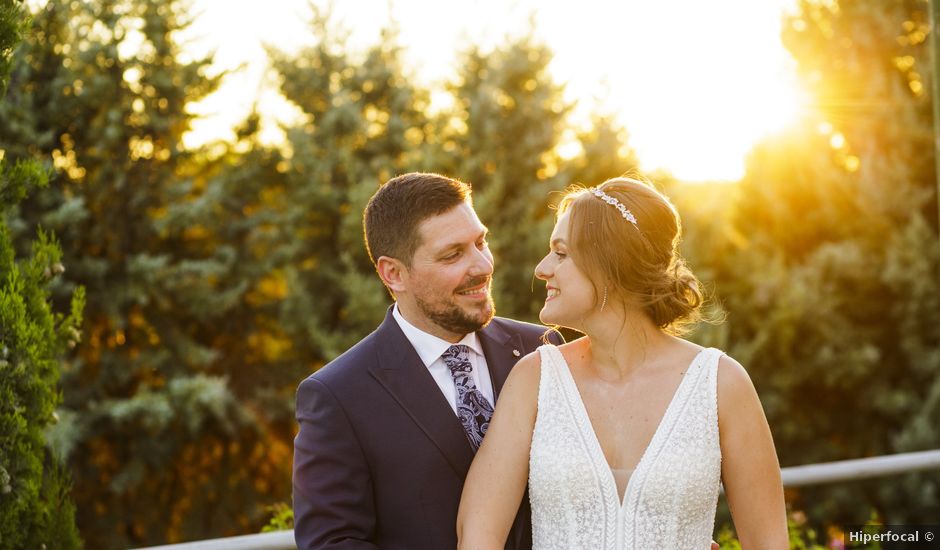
(394,213)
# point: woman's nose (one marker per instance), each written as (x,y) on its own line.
(542,270)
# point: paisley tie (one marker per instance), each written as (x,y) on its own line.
(473,410)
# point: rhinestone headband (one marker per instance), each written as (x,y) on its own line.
(624,211)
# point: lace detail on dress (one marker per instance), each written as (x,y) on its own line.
(671,496)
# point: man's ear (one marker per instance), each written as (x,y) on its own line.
(393,273)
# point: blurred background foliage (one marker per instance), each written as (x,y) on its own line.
(214,279)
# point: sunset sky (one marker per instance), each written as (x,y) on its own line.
(695,83)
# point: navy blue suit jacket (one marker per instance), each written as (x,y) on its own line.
(380,458)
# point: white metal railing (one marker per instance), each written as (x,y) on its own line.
(276,540)
(860,468)
(794,476)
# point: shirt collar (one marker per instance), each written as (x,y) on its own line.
(430,347)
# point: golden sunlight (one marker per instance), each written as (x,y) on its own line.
(696,84)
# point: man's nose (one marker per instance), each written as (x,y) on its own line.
(483,262)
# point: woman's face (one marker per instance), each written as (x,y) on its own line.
(570,295)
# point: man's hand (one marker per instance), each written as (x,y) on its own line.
(715,546)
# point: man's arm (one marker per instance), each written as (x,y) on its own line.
(333,497)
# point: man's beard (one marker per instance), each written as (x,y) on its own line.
(450,317)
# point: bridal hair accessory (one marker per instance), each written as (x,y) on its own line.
(604,303)
(627,215)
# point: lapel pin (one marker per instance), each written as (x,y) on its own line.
(516,353)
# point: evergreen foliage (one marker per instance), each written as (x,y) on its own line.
(165,423)
(363,123)
(35,508)
(828,266)
(217,278)
(503,136)
(512,115)
(13,21)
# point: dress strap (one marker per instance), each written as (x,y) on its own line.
(711,380)
(546,355)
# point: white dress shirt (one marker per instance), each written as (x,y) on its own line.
(430,348)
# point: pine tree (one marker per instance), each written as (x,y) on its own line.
(364,121)
(35,507)
(502,138)
(829,268)
(167,424)
(604,153)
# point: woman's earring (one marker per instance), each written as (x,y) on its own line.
(604,301)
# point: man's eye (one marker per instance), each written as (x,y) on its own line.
(560,254)
(452,256)
(483,244)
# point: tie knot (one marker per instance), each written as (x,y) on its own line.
(458,349)
(457,358)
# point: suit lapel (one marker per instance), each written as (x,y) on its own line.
(399,369)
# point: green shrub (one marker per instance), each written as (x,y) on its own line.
(282,518)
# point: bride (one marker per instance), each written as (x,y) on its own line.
(623,435)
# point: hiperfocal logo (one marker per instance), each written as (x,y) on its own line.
(892,537)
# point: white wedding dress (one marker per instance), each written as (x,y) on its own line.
(671,496)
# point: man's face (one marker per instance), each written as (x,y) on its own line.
(447,287)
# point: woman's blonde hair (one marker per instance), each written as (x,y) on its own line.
(638,262)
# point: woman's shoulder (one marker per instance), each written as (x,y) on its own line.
(522,384)
(526,372)
(732,381)
(735,391)
(732,376)
(574,350)
(687,351)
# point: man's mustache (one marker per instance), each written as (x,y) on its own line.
(473,283)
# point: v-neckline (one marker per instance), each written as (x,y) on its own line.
(599,449)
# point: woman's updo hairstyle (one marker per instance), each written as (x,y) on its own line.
(638,262)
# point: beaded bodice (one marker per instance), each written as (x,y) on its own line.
(671,496)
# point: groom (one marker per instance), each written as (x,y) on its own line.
(388,429)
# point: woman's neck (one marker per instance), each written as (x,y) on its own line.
(623,343)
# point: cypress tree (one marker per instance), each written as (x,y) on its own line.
(35,507)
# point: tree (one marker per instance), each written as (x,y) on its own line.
(604,153)
(217,278)
(828,270)
(363,121)
(166,424)
(502,138)
(35,508)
